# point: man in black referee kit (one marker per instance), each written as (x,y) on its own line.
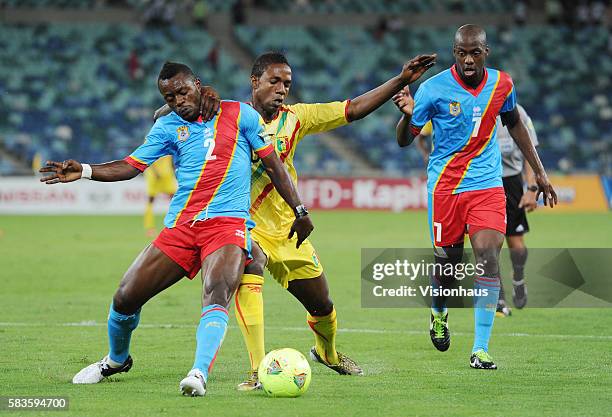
(519,200)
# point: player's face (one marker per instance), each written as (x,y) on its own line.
(271,89)
(182,94)
(470,56)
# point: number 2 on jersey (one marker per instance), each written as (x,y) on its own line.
(210,143)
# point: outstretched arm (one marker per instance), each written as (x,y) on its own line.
(302,226)
(519,133)
(366,103)
(71,170)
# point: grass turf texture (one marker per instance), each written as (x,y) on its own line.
(59,270)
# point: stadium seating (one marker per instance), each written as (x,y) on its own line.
(70,92)
(552,68)
(69,89)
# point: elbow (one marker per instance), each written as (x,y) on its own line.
(353,113)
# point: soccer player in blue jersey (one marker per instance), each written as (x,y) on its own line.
(207,225)
(464,173)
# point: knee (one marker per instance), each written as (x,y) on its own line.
(124,300)
(216,292)
(323,308)
(489,262)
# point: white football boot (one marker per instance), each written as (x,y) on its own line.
(96,372)
(193,385)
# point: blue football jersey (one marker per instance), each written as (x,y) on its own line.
(212,159)
(465,153)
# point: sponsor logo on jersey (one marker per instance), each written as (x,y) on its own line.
(182,133)
(208,133)
(240,233)
(455,108)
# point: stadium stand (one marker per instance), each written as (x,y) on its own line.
(88,86)
(552,68)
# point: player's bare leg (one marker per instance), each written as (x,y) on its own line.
(250,314)
(518,255)
(487,244)
(221,273)
(150,273)
(313,293)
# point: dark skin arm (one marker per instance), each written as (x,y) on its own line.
(405,103)
(366,103)
(208,107)
(521,136)
(70,170)
(302,226)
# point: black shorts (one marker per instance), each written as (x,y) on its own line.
(516,219)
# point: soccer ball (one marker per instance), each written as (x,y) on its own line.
(284,373)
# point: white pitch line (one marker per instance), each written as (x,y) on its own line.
(306,329)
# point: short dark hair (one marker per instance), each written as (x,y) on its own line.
(264,60)
(170,69)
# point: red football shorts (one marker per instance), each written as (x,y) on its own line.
(189,244)
(453,215)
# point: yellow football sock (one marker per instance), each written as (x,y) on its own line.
(324,329)
(250,316)
(149,217)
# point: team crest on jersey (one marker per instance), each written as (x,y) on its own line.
(281,143)
(182,133)
(455,108)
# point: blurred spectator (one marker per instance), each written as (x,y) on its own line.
(159,13)
(554,11)
(134,67)
(199,12)
(457,6)
(598,12)
(520,12)
(381,29)
(239,12)
(213,57)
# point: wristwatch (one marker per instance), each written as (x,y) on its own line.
(532,188)
(300,211)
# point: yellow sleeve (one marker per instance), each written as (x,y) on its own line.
(427,130)
(320,117)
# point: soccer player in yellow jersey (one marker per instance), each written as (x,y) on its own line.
(297,269)
(160,179)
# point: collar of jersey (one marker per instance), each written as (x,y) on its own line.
(472,91)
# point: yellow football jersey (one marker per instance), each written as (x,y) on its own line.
(269,211)
(160,177)
(427,130)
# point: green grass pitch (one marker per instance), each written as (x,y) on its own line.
(59,273)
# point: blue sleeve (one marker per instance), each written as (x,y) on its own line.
(510,102)
(252,127)
(154,147)
(423,107)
